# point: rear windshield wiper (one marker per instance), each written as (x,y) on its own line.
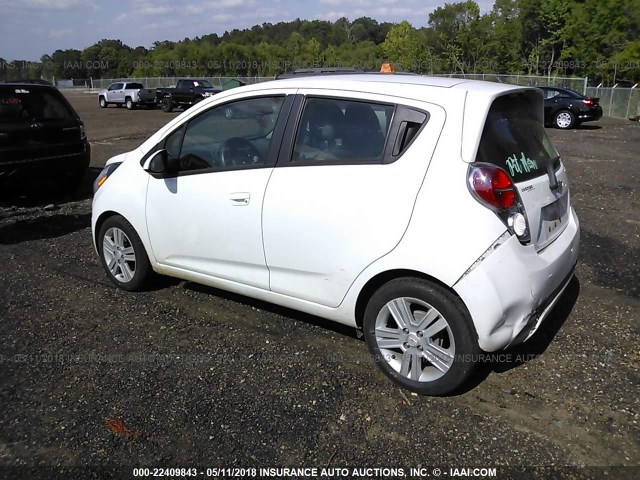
(553,180)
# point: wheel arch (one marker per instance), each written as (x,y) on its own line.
(137,226)
(381,278)
(99,222)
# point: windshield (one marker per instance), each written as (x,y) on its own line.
(514,139)
(27,104)
(202,84)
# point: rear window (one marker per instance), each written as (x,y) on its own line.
(134,86)
(515,140)
(28,104)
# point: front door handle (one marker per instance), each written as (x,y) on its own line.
(240,199)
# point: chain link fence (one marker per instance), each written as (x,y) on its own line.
(166,82)
(617,102)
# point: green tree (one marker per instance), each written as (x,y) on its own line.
(404,48)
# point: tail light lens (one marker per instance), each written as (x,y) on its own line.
(493,188)
(587,101)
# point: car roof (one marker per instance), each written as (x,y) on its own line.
(562,89)
(401,85)
(27,83)
(330,80)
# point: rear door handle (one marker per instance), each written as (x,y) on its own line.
(240,199)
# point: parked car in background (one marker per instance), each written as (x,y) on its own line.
(565,108)
(434,214)
(41,136)
(186,93)
(129,94)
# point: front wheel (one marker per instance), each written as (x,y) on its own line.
(564,119)
(421,336)
(103,102)
(123,255)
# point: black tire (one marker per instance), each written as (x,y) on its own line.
(129,103)
(142,273)
(564,120)
(457,343)
(103,102)
(167,104)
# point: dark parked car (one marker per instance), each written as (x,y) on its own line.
(41,136)
(565,108)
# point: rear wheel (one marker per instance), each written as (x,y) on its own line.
(129,103)
(564,119)
(421,336)
(167,104)
(123,255)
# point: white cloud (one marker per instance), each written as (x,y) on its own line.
(386,11)
(332,15)
(63,32)
(364,3)
(202,7)
(153,10)
(48,4)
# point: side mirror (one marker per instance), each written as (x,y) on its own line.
(160,165)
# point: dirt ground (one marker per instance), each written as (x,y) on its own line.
(202,377)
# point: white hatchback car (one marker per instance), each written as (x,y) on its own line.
(433,214)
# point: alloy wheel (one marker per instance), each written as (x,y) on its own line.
(119,255)
(415,339)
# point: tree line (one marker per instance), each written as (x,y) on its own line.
(594,38)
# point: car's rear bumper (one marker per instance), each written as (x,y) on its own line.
(511,291)
(47,167)
(591,115)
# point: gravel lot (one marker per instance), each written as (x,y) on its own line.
(203,377)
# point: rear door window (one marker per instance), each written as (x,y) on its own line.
(515,140)
(337,130)
(32,104)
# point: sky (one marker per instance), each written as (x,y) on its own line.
(31,28)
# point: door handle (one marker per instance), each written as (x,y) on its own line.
(240,199)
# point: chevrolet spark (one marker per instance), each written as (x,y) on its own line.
(432,214)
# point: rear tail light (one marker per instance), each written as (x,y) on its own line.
(493,188)
(587,101)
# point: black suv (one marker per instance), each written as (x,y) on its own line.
(41,136)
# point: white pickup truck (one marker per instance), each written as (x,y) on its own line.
(130,94)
